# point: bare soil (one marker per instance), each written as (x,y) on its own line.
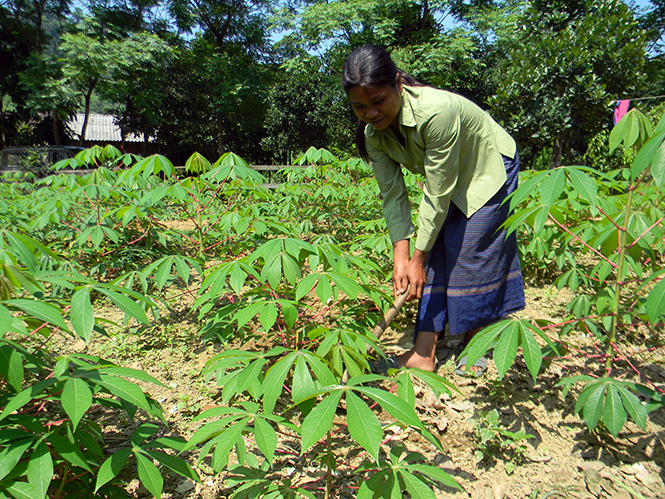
(561,459)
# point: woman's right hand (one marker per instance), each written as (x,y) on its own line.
(400,279)
(400,263)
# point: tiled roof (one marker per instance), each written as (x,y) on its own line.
(101,128)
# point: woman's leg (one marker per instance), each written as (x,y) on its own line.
(421,356)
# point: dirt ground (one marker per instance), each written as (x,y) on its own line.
(561,458)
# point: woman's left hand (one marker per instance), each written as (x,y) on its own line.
(415,272)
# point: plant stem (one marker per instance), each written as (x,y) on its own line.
(328,466)
(199,220)
(623,236)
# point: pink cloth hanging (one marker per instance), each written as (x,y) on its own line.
(620,110)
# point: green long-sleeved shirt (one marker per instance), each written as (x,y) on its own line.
(454,144)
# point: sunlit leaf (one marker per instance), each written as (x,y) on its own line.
(364,426)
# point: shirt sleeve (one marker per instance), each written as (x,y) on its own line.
(441,136)
(396,207)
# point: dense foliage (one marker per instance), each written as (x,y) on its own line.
(262,78)
(273,269)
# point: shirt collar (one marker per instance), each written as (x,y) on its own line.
(406,116)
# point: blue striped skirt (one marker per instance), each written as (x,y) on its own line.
(473,270)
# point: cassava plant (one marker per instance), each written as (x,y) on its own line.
(50,446)
(286,405)
(604,234)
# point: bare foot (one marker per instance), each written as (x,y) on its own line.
(413,359)
(421,356)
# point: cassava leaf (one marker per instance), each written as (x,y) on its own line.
(149,474)
(76,399)
(319,420)
(363,424)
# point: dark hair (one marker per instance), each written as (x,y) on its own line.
(371,66)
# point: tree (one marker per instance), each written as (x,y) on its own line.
(306,108)
(28,29)
(98,58)
(233,42)
(569,62)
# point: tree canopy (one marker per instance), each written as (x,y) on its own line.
(261,78)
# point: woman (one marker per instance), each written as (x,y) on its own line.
(464,270)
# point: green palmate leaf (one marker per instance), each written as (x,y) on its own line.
(483,341)
(149,474)
(435,473)
(290,269)
(396,407)
(364,426)
(306,285)
(438,384)
(11,367)
(81,314)
(69,451)
(11,455)
(553,186)
(505,350)
(250,374)
(76,399)
(268,316)
(163,273)
(40,470)
(531,352)
(143,432)
(323,374)
(127,305)
(647,154)
(266,438)
(416,487)
(324,289)
(525,189)
(515,221)
(229,438)
(614,414)
(347,285)
(319,421)
(274,381)
(272,272)
(658,166)
(405,389)
(209,430)
(303,385)
(16,402)
(40,310)
(176,464)
(593,408)
(656,302)
(21,490)
(127,372)
(125,390)
(245,314)
(584,185)
(634,407)
(237,278)
(290,313)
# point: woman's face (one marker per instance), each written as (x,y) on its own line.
(378,106)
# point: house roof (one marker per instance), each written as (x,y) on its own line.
(101,128)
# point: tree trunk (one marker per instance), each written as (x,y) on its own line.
(556,152)
(57,132)
(88,98)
